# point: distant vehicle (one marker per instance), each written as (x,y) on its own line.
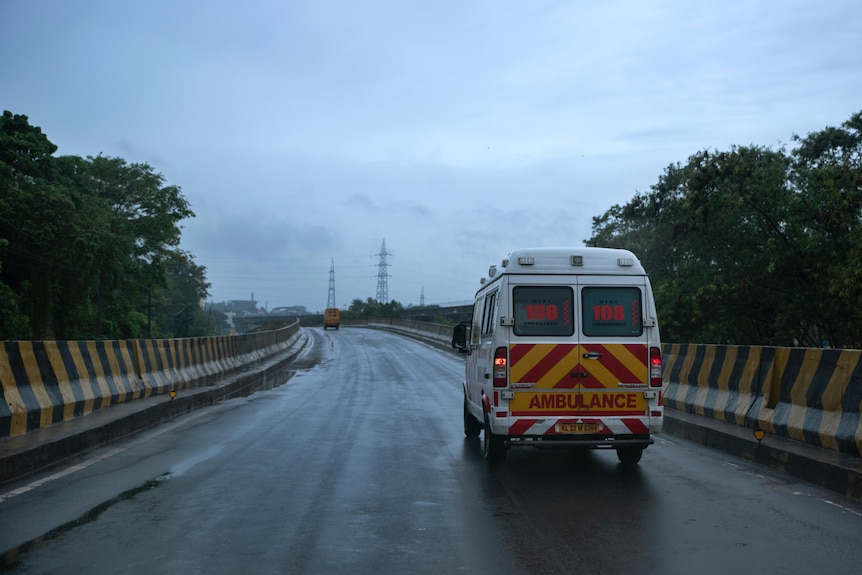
(331,318)
(563,350)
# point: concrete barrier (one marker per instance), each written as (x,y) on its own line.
(719,382)
(46,382)
(815,397)
(433,333)
(811,395)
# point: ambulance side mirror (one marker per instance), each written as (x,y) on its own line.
(460,335)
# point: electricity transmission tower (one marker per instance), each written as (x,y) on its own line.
(422,297)
(382,275)
(330,301)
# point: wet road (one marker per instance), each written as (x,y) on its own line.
(359,465)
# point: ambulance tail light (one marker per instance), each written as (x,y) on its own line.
(501,367)
(655,367)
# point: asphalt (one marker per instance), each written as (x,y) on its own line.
(39,450)
(42,449)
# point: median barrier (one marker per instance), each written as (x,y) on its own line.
(47,382)
(433,333)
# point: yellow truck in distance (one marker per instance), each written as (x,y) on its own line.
(331,318)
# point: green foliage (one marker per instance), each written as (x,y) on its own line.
(179,312)
(371,308)
(90,245)
(752,245)
(13,324)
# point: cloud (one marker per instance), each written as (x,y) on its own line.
(306,132)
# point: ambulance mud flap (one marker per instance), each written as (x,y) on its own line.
(494,447)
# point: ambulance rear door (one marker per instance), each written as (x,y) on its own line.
(544,356)
(613,373)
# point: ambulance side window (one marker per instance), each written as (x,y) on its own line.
(489,319)
(475,328)
(612,311)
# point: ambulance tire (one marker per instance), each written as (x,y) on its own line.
(472,427)
(629,455)
(492,445)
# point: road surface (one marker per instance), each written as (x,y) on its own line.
(359,464)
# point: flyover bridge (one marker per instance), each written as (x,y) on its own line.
(808,397)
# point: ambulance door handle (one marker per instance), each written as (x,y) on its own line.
(579,374)
(592,355)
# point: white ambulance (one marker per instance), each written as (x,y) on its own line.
(563,350)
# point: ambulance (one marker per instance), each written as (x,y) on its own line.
(563,350)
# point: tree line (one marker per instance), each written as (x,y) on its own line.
(752,245)
(89,247)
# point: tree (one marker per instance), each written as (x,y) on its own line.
(751,245)
(179,312)
(31,217)
(371,308)
(84,243)
(711,235)
(827,175)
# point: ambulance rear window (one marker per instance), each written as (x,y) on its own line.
(544,310)
(612,311)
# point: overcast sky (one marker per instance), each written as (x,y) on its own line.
(304,132)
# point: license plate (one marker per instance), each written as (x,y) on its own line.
(579,427)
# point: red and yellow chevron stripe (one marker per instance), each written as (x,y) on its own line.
(566,366)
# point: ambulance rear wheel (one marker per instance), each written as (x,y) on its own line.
(629,455)
(492,445)
(472,427)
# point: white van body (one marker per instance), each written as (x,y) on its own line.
(563,350)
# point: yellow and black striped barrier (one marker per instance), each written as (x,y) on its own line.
(811,395)
(46,382)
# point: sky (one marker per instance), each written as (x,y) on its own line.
(306,133)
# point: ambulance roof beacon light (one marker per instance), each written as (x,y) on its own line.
(625,262)
(577,260)
(526,260)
